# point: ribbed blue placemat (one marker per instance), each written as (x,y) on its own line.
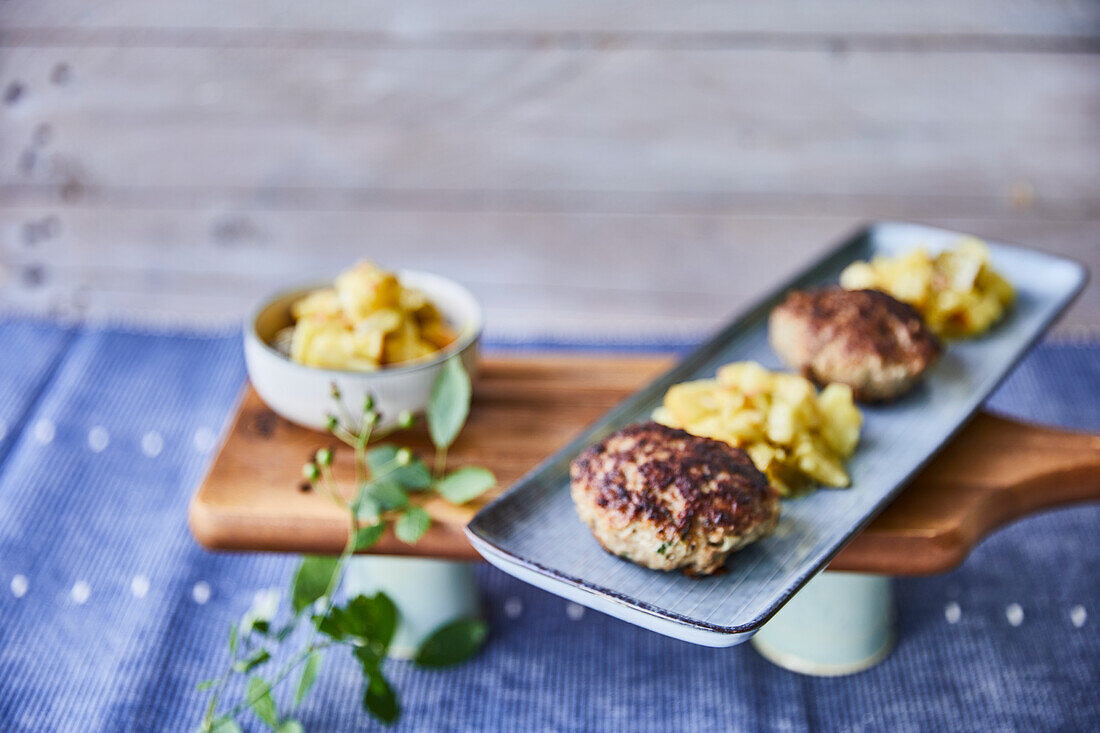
(110,613)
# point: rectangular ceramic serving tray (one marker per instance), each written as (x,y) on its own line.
(533,533)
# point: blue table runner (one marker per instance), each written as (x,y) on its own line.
(110,613)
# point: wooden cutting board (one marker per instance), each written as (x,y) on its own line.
(526,408)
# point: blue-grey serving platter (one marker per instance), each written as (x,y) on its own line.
(533,533)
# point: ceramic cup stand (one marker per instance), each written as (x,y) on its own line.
(839,623)
(428,593)
(993,472)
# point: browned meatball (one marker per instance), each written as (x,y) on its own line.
(865,339)
(667,499)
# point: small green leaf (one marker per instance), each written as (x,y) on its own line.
(369,619)
(452,643)
(412,525)
(366,509)
(309,676)
(372,619)
(225,725)
(368,660)
(386,494)
(466,484)
(260,700)
(383,462)
(449,403)
(205,685)
(312,580)
(379,699)
(291,726)
(252,661)
(331,625)
(233,640)
(365,537)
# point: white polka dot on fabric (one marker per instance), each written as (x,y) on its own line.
(201,592)
(98,439)
(19,585)
(44,430)
(139,586)
(204,439)
(574,611)
(1015,614)
(152,444)
(513,607)
(1078,616)
(81,592)
(952,612)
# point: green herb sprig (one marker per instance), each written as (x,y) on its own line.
(385,477)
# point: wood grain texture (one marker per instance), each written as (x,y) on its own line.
(995,471)
(932,18)
(158,125)
(173,162)
(594,277)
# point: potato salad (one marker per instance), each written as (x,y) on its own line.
(795,435)
(368,320)
(957,292)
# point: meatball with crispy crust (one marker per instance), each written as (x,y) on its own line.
(667,499)
(865,339)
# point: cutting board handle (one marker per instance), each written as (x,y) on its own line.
(996,470)
(1051,467)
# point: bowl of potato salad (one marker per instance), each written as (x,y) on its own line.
(370,332)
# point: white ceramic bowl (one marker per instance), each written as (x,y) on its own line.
(302,394)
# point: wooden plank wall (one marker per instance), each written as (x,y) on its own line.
(590,169)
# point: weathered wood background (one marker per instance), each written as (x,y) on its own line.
(591,169)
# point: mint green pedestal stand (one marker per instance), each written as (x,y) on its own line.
(838,624)
(428,593)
